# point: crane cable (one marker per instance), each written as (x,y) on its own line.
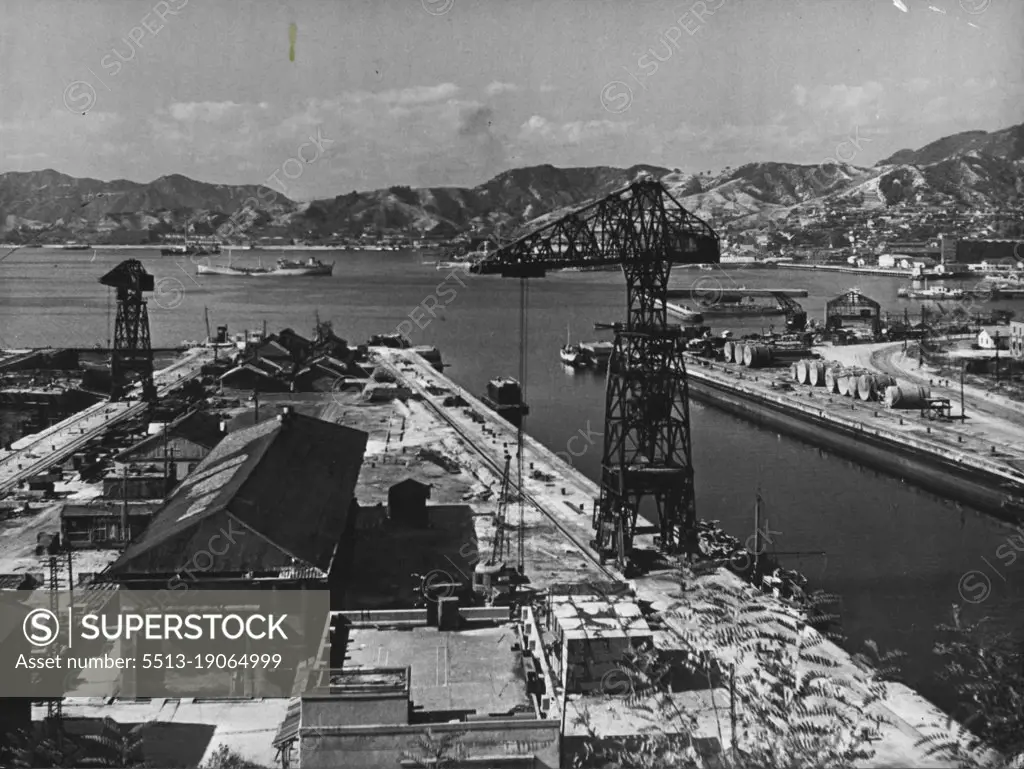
(524,292)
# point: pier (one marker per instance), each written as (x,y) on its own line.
(561,499)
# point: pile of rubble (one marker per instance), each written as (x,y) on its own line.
(715,543)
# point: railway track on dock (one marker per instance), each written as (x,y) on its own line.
(498,468)
(59,454)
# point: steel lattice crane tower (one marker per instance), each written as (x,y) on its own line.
(132,353)
(647,448)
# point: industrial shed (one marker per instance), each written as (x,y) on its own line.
(853,309)
(182,444)
(269,505)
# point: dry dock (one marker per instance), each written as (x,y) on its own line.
(980,462)
(558,526)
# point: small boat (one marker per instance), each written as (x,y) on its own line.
(598,353)
(72,246)
(573,354)
(939,293)
(453,265)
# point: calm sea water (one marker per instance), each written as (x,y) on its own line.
(895,554)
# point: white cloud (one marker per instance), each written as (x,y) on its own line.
(848,98)
(799,95)
(204,111)
(421,94)
(547,88)
(575,132)
(497,87)
(918,84)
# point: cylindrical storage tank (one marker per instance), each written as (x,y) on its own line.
(794,371)
(907,396)
(845,383)
(728,351)
(866,387)
(801,371)
(816,373)
(740,352)
(872,386)
(832,376)
(757,356)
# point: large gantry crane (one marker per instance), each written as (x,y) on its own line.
(132,354)
(647,448)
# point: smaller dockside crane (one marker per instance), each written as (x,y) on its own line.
(494,579)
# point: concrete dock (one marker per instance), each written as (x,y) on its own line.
(979,462)
(564,503)
(36,453)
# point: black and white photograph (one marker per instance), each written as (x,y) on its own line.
(512,384)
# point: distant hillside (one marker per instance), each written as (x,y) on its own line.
(1007,144)
(975,167)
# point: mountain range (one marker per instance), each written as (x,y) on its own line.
(976,168)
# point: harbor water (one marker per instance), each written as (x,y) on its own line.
(898,557)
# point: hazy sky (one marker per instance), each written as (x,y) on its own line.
(451,92)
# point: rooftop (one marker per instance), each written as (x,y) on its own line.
(283,486)
(466,671)
(586,616)
(197,427)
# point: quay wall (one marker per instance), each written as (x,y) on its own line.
(964,478)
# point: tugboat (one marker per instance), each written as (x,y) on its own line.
(573,354)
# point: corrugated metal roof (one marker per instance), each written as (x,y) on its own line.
(197,427)
(288,731)
(273,496)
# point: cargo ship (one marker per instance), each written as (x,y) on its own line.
(739,305)
(283,268)
(190,249)
(939,293)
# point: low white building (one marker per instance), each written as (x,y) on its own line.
(994,338)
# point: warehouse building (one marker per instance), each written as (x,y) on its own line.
(276,497)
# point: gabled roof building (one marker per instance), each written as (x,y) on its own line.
(269,505)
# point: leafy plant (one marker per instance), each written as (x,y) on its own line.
(225,758)
(114,746)
(988,671)
(27,749)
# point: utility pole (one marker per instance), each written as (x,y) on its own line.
(963,414)
(996,340)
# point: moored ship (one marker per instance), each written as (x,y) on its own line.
(283,268)
(573,354)
(938,293)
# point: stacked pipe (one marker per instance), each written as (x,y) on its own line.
(907,396)
(729,351)
(870,386)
